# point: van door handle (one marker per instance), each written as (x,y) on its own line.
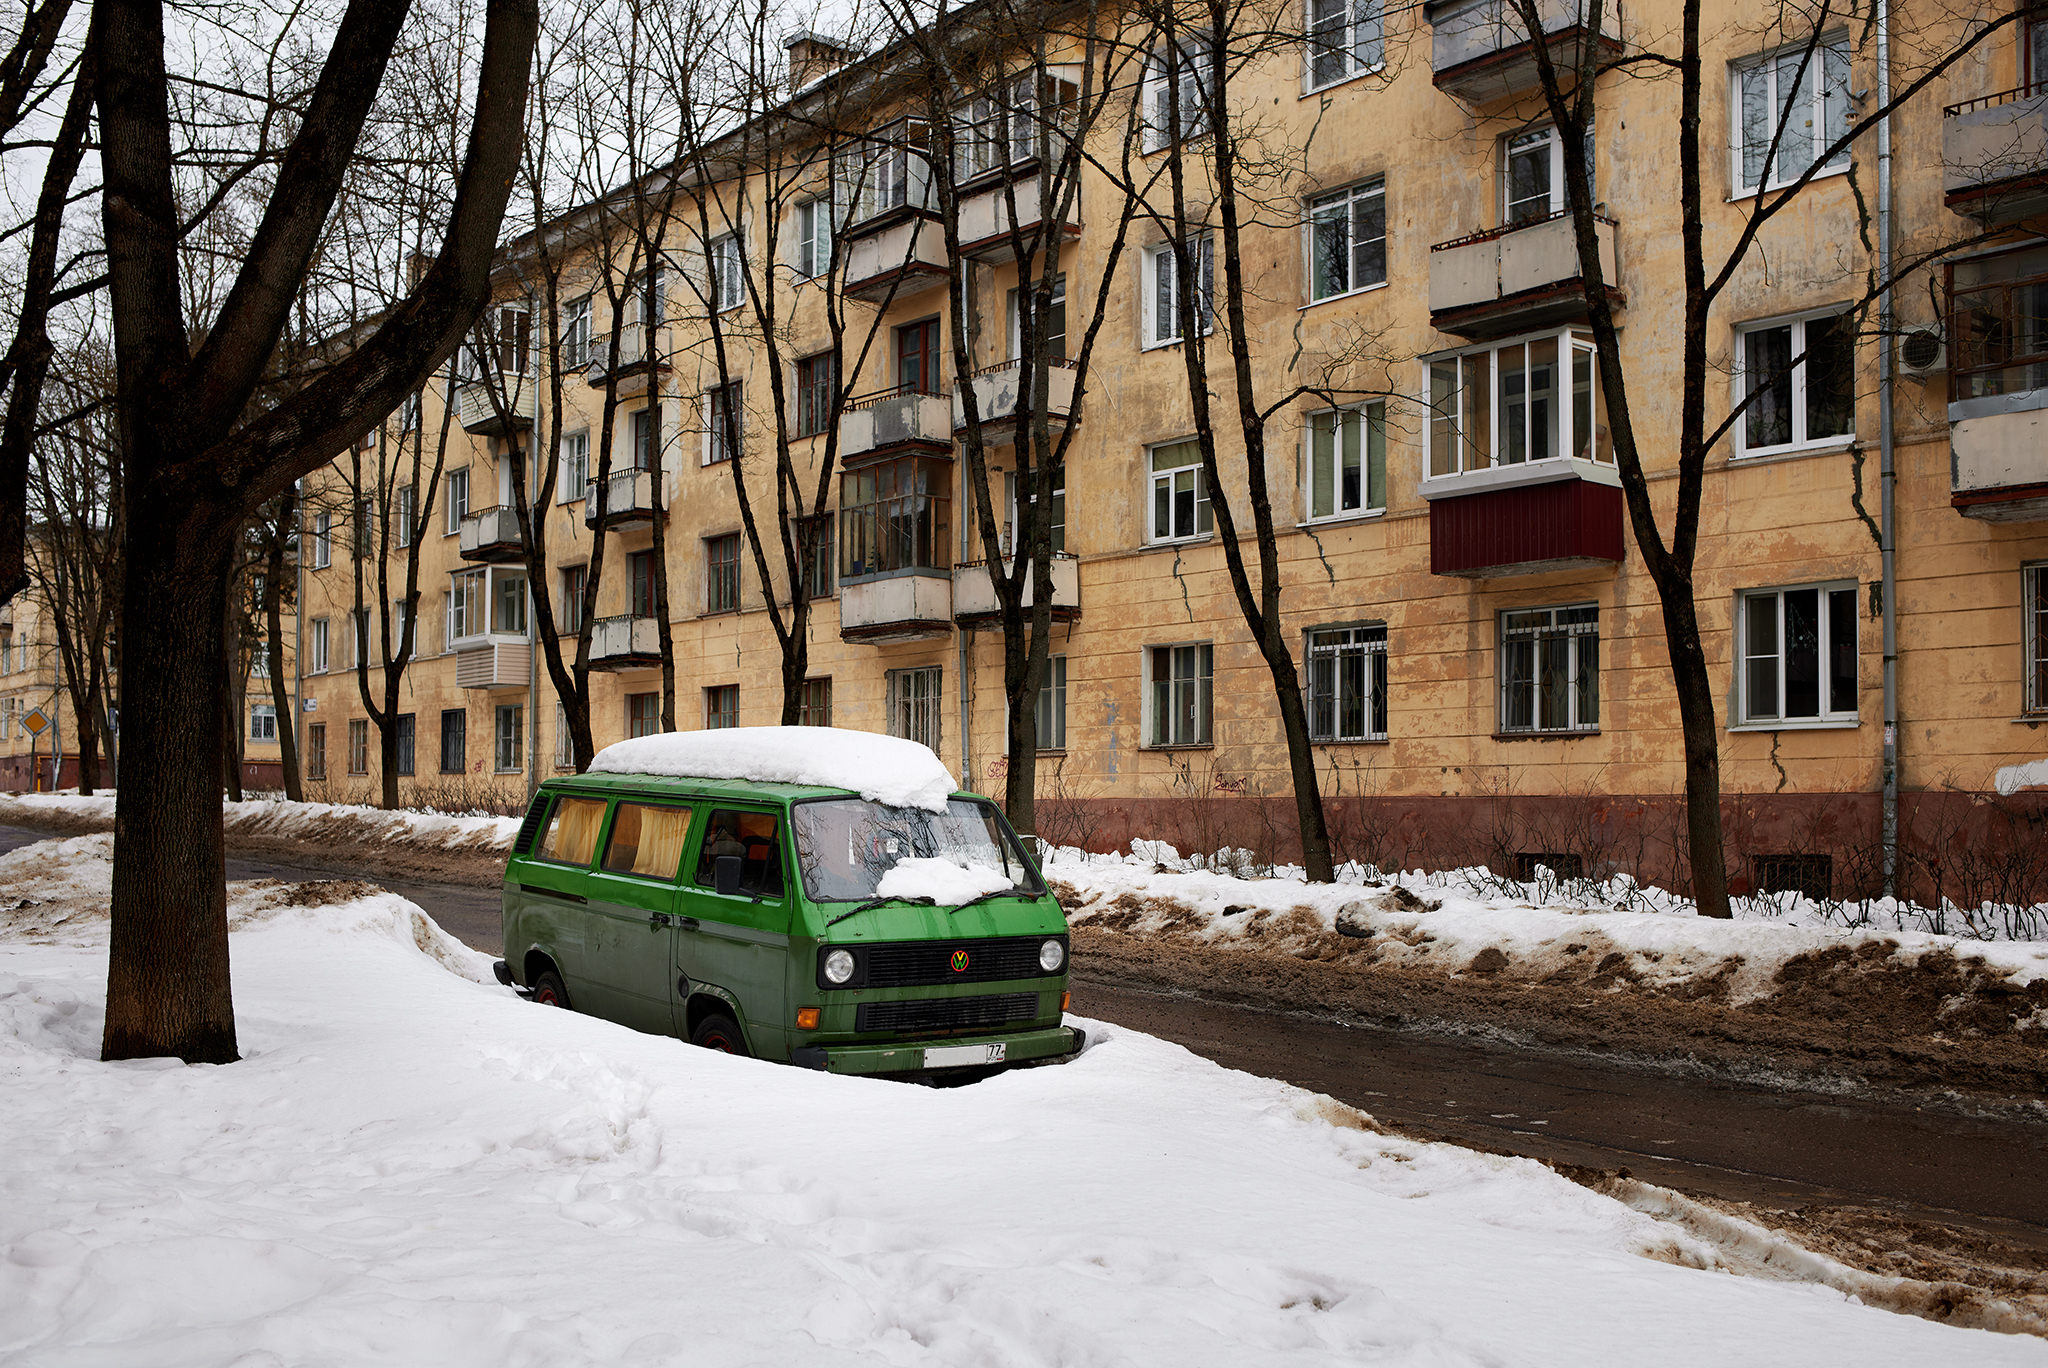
(554,893)
(687,923)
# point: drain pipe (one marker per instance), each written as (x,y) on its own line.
(1887,327)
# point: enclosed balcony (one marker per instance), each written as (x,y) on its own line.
(491,535)
(625,642)
(895,526)
(974,592)
(628,501)
(1517,278)
(1998,376)
(985,217)
(901,257)
(1570,521)
(895,421)
(1002,396)
(495,406)
(494,663)
(638,359)
(1994,155)
(1481,51)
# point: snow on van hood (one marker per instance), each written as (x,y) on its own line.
(884,769)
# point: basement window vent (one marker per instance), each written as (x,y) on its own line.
(1560,865)
(1810,876)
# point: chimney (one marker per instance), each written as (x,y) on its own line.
(812,55)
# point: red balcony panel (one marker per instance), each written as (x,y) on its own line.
(1526,530)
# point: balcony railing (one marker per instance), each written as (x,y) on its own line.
(1561,514)
(974,592)
(1994,154)
(492,535)
(482,414)
(1514,278)
(985,218)
(915,605)
(907,256)
(636,358)
(1998,455)
(1481,51)
(894,420)
(625,642)
(1001,394)
(629,501)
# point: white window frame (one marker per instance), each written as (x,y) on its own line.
(1327,651)
(469,606)
(1574,637)
(576,316)
(316,647)
(2034,633)
(1167,480)
(575,462)
(1351,34)
(565,742)
(1190,72)
(407,501)
(508,743)
(1345,206)
(457,488)
(1450,419)
(1757,78)
(1162,297)
(1799,326)
(917,705)
(1832,598)
(323,540)
(1051,709)
(1193,689)
(811,250)
(725,263)
(260,713)
(1369,422)
(713,440)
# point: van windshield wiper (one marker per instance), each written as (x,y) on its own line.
(872,903)
(1009,892)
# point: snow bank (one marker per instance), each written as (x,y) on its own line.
(883,769)
(297,821)
(409,1166)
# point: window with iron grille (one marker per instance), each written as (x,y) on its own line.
(1182,694)
(1810,876)
(643,714)
(359,745)
(814,705)
(722,706)
(917,704)
(722,573)
(1550,669)
(454,740)
(2035,585)
(263,722)
(1347,683)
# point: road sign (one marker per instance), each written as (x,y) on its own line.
(35,721)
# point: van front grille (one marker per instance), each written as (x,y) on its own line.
(946,1014)
(914,964)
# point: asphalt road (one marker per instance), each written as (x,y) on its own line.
(1775,1148)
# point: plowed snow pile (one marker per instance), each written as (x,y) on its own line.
(325,822)
(411,1166)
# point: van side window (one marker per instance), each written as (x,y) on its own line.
(754,837)
(571,837)
(647,840)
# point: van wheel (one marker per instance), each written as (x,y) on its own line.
(719,1032)
(548,990)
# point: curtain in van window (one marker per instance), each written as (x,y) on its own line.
(572,831)
(660,843)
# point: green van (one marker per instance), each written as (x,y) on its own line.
(791,921)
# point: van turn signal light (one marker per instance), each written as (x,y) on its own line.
(1065,998)
(807,1018)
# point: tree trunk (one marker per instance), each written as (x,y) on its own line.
(280,697)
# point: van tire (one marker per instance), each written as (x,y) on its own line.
(719,1032)
(548,990)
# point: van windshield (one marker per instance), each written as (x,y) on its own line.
(851,850)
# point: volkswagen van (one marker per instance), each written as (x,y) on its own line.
(793,921)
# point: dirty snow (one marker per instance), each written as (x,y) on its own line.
(276,817)
(883,769)
(411,1165)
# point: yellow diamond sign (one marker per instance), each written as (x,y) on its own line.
(34,721)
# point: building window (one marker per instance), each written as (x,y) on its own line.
(814,553)
(728,273)
(640,432)
(2034,583)
(407,515)
(511,738)
(316,648)
(316,751)
(1052,705)
(1799,654)
(1803,90)
(1347,461)
(575,465)
(722,573)
(404,725)
(263,723)
(1176,92)
(1052,343)
(1800,380)
(454,737)
(1057,532)
(1347,683)
(401,622)
(1550,669)
(458,499)
(569,620)
(1345,38)
(1501,405)
(643,714)
(894,516)
(722,423)
(1180,493)
(641,566)
(1162,289)
(1998,322)
(323,540)
(722,706)
(817,386)
(814,704)
(576,334)
(646,302)
(565,740)
(358,745)
(465,605)
(366,528)
(888,169)
(813,237)
(1532,175)
(1347,240)
(917,357)
(508,604)
(1181,694)
(917,704)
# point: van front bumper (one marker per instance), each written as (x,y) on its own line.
(1047,1045)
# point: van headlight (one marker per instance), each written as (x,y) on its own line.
(839,965)
(1051,956)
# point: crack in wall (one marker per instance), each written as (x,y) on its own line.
(1783,778)
(1322,556)
(1856,493)
(1186,603)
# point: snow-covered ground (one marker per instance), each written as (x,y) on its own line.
(411,828)
(412,1166)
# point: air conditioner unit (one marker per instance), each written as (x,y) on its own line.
(1922,352)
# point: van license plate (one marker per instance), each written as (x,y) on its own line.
(950,1056)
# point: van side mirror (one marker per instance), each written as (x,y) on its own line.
(725,875)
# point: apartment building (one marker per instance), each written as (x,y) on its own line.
(1474,622)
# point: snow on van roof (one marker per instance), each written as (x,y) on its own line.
(885,769)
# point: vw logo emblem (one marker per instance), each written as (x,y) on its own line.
(959,961)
